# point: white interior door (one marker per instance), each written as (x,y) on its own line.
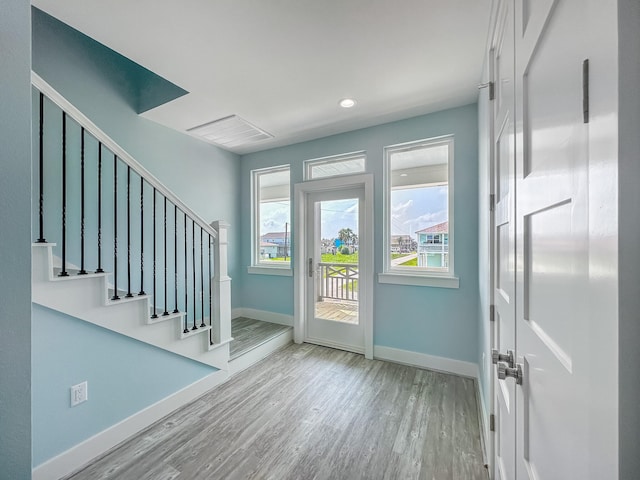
(334,242)
(552,161)
(504,236)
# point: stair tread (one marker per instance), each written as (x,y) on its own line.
(75,273)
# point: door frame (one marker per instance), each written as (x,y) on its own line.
(366,267)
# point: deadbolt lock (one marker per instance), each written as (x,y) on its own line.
(505,371)
(508,357)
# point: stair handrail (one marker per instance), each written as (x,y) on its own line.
(90,127)
(219,282)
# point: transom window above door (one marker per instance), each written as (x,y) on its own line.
(337,165)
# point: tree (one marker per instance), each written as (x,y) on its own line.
(346,235)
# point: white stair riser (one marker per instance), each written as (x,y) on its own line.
(86,298)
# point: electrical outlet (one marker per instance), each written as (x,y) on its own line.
(79,393)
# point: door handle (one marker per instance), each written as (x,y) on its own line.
(504,371)
(508,357)
(310,267)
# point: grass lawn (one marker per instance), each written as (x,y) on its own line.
(410,263)
(340,258)
(398,255)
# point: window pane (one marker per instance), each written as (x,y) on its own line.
(419,214)
(273,215)
(332,167)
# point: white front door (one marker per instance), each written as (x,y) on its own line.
(334,242)
(504,234)
(333,263)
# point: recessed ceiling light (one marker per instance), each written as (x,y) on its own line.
(347,102)
(403,174)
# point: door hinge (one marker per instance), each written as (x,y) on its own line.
(585,91)
(491,87)
(492,202)
(492,313)
(492,423)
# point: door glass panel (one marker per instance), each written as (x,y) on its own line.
(336,285)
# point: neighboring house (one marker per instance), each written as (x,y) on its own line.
(327,246)
(268,250)
(433,246)
(281,240)
(403,244)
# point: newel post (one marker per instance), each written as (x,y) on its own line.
(221,324)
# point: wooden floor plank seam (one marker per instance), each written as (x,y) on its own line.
(311,412)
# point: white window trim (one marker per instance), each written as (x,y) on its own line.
(257,267)
(411,275)
(270,270)
(308,164)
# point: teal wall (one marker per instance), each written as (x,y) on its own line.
(629,233)
(435,321)
(15,239)
(67,351)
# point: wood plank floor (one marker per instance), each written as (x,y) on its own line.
(248,333)
(309,412)
(345,311)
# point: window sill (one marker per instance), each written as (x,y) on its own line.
(278,271)
(419,280)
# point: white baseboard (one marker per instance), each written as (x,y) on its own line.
(81,454)
(422,360)
(271,317)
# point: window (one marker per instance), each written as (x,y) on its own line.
(345,164)
(419,213)
(271,235)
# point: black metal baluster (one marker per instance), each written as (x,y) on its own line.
(82,269)
(115,228)
(202,325)
(193,264)
(99,269)
(141,292)
(63,272)
(186,285)
(41,173)
(165,258)
(210,297)
(154,315)
(129,294)
(175,258)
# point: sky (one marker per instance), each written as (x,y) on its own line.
(417,208)
(411,210)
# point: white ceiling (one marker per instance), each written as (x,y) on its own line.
(283,65)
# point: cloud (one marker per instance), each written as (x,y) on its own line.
(401,210)
(353,208)
(427,220)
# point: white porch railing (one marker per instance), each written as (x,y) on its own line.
(338,281)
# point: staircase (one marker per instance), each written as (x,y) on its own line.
(118,249)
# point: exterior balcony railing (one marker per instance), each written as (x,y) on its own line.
(338,281)
(433,248)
